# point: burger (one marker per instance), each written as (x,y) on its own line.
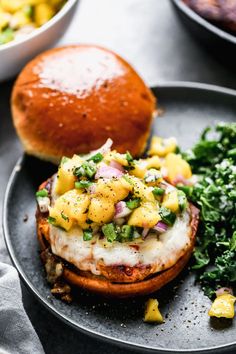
(112,225)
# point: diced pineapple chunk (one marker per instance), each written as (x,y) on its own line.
(60,219)
(69,208)
(101,210)
(176,167)
(153,162)
(75,204)
(162,147)
(152,312)
(115,156)
(141,166)
(43,13)
(114,190)
(141,190)
(65,177)
(223,306)
(139,170)
(65,180)
(170,201)
(145,216)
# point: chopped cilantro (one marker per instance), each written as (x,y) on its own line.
(65,217)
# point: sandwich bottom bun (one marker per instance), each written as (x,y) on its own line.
(99,284)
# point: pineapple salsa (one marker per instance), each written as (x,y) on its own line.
(117,196)
(20,17)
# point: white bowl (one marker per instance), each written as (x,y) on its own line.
(14,55)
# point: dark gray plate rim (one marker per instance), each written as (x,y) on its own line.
(201,21)
(66,319)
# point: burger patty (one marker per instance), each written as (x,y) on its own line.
(117,262)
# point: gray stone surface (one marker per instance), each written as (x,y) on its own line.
(149,35)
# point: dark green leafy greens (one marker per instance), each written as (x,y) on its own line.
(213,158)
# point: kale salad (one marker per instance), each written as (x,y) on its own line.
(213,160)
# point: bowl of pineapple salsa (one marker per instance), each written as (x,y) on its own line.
(28,27)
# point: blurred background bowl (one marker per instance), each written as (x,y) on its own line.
(15,54)
(220,43)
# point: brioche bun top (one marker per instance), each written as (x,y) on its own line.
(71,99)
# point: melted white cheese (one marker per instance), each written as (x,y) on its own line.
(160,252)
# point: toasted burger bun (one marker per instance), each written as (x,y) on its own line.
(121,287)
(71,99)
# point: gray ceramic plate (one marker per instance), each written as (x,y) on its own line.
(188,108)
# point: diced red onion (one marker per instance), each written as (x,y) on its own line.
(105,171)
(223,291)
(117,165)
(121,210)
(92,189)
(160,227)
(104,148)
(145,232)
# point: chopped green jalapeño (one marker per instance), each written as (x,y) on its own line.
(82,184)
(157,191)
(167,216)
(133,203)
(96,158)
(109,232)
(126,232)
(87,235)
(42,193)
